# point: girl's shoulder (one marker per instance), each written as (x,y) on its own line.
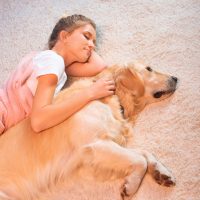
(49,62)
(48,54)
(49,58)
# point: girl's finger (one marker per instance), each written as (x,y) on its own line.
(111,87)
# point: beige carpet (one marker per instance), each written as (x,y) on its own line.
(166,35)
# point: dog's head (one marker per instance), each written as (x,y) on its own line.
(138,85)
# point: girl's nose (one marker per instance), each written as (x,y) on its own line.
(91,45)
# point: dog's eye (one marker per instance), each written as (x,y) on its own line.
(149,69)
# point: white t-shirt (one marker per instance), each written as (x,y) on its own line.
(48,62)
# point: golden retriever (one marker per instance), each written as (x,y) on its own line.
(94,138)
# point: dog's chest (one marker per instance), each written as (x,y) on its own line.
(96,121)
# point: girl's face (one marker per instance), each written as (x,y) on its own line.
(81,42)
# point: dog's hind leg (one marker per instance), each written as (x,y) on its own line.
(108,159)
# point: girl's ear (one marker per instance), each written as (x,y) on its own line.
(63,35)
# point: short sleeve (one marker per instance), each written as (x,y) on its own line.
(49,62)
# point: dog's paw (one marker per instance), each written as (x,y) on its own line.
(126,193)
(130,187)
(163,176)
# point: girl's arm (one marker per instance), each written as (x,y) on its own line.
(45,114)
(94,66)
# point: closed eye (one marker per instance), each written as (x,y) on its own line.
(87,37)
(149,69)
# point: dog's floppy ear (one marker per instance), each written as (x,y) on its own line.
(129,89)
(131,81)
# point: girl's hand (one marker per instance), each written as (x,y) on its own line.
(101,88)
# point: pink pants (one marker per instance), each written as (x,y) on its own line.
(15,96)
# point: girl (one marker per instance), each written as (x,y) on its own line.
(71,51)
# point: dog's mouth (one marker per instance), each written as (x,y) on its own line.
(172,84)
(159,94)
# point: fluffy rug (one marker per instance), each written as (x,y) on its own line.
(164,34)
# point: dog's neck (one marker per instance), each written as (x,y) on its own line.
(129,106)
(114,101)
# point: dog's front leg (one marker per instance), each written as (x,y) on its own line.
(157,170)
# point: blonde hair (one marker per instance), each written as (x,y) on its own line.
(69,24)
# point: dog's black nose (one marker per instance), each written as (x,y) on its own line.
(174,79)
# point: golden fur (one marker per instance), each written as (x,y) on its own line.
(94,138)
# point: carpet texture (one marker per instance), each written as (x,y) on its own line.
(165,35)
